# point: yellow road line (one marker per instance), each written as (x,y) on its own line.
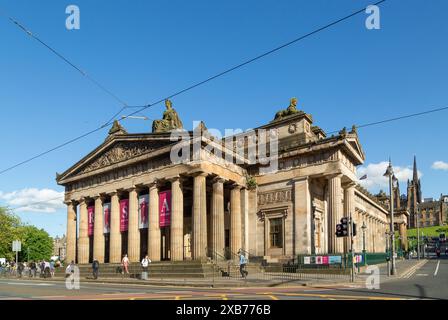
(328,296)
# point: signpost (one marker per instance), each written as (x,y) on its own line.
(17,247)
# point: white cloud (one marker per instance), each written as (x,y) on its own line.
(34,200)
(440,165)
(375,175)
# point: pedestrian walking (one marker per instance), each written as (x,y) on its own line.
(145,265)
(52,268)
(243,263)
(20,268)
(125,264)
(95,268)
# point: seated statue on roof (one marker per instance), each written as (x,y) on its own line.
(170,121)
(292,109)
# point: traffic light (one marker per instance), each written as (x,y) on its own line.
(342,228)
(339,232)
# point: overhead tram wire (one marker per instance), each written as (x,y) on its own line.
(412,115)
(67,61)
(35,203)
(142,108)
(259,57)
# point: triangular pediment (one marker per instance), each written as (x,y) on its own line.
(354,143)
(119,149)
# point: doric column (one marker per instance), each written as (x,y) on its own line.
(235,219)
(115,235)
(154,227)
(177,220)
(70,252)
(199,216)
(83,242)
(302,231)
(336,245)
(349,209)
(133,231)
(218,239)
(98,234)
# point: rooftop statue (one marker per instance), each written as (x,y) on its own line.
(170,121)
(292,109)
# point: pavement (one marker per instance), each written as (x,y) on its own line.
(414,280)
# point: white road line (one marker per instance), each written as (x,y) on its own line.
(437,268)
(29,284)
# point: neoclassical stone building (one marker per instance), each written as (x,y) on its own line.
(128,196)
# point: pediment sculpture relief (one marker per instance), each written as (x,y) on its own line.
(120,152)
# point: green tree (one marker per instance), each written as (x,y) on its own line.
(9,231)
(37,244)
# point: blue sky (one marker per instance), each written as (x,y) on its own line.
(146,50)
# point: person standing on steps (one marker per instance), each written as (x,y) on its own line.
(243,263)
(95,268)
(125,264)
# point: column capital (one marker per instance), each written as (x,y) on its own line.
(199,174)
(130,189)
(349,185)
(219,179)
(301,179)
(333,176)
(69,202)
(236,186)
(112,193)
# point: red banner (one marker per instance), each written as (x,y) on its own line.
(165,209)
(106,226)
(124,215)
(91,220)
(143,211)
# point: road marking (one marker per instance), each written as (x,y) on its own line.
(421,274)
(336,296)
(413,269)
(273,297)
(437,268)
(29,284)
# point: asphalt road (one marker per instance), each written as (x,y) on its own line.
(427,282)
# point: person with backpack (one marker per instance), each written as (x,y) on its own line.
(95,268)
(145,265)
(243,263)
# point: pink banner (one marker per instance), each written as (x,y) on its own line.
(91,220)
(165,209)
(124,215)
(106,227)
(143,211)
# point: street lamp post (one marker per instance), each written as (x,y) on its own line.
(364,227)
(387,250)
(364,256)
(390,174)
(418,232)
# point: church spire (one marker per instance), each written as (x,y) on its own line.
(415,176)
